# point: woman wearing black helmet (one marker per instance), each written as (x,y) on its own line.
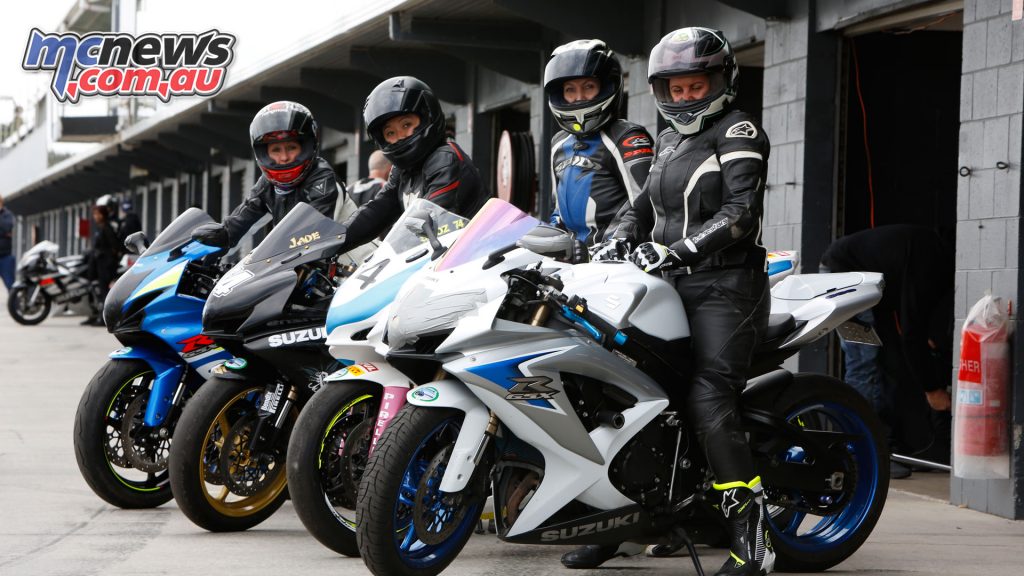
(405,119)
(286,143)
(599,162)
(699,225)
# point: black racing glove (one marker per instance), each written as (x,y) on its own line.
(215,235)
(610,249)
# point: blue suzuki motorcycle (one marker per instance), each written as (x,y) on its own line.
(128,411)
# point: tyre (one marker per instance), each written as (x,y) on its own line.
(405,526)
(217,480)
(122,461)
(22,312)
(816,541)
(326,458)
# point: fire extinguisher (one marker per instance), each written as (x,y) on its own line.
(981,442)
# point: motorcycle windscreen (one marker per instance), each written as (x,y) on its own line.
(403,237)
(497,225)
(304,228)
(178,231)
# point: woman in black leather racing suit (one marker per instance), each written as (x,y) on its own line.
(286,143)
(599,162)
(699,221)
(405,119)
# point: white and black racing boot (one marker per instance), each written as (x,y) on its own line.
(751,552)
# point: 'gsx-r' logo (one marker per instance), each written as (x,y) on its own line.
(531,388)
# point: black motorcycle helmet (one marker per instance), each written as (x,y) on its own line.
(580,59)
(281,122)
(693,51)
(405,95)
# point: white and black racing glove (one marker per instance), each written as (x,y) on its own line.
(610,249)
(654,257)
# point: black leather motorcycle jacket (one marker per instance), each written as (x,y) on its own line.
(596,175)
(705,194)
(319,190)
(447,177)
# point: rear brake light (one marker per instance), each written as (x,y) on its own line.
(46,281)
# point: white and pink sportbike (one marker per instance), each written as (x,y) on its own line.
(559,392)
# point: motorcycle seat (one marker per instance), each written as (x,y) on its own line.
(779,325)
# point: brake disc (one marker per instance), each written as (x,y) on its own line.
(143,446)
(244,472)
(436,516)
(344,462)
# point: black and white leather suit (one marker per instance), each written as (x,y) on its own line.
(704,199)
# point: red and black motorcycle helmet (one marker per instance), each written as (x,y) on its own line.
(405,95)
(283,122)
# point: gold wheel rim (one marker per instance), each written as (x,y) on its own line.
(217,495)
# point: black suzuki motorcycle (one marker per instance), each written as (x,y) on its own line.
(45,280)
(227,462)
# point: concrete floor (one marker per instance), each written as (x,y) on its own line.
(52,524)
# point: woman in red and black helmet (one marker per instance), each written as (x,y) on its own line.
(405,120)
(286,143)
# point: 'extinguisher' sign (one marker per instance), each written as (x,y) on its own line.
(981,442)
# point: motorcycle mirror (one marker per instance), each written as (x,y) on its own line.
(549,241)
(421,222)
(136,243)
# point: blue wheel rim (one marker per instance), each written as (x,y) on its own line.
(414,552)
(834,530)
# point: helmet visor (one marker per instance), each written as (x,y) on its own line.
(682,90)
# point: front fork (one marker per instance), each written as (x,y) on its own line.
(273,414)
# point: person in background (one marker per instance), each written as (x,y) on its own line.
(6,245)
(102,261)
(914,322)
(130,222)
(366,188)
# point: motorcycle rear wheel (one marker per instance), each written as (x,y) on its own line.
(812,543)
(17,305)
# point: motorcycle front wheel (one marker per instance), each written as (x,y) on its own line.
(407,526)
(327,455)
(23,311)
(122,461)
(813,531)
(218,480)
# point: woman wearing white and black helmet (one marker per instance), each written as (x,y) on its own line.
(405,119)
(599,162)
(698,223)
(286,143)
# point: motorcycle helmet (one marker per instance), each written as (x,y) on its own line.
(405,95)
(693,51)
(581,59)
(282,122)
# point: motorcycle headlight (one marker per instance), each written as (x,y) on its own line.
(422,313)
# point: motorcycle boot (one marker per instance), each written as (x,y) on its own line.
(751,553)
(593,555)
